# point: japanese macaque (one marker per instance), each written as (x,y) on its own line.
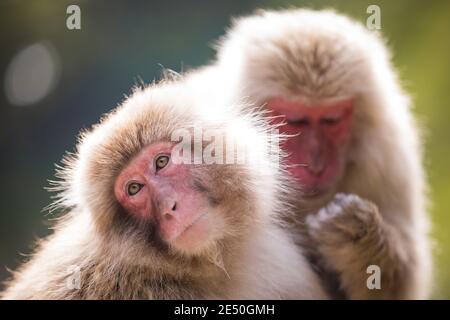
(353,144)
(143,223)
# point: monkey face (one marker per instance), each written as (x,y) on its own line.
(152,188)
(319,138)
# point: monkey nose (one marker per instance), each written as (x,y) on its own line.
(169,210)
(315,168)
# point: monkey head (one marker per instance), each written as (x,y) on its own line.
(314,71)
(126,177)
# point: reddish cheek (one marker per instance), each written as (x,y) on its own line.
(340,132)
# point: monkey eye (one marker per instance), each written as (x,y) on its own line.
(161,162)
(133,188)
(298,122)
(329,121)
(333,118)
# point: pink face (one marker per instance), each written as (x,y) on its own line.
(153,188)
(317,151)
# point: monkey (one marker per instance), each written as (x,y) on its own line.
(354,145)
(144,220)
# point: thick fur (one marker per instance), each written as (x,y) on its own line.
(117,260)
(316,55)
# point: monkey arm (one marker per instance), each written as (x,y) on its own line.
(351,235)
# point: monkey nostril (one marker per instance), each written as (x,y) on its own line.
(168,210)
(315,169)
(168,216)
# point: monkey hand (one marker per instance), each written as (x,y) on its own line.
(349,235)
(346,237)
(346,219)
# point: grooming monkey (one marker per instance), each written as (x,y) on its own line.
(354,145)
(141,224)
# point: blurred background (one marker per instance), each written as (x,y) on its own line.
(56,81)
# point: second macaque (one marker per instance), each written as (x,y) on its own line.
(353,144)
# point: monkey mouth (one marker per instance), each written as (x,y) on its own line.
(192,224)
(313,185)
(313,192)
(316,190)
(190,227)
(194,237)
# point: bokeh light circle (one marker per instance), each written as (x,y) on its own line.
(32,74)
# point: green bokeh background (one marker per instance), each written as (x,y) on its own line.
(122,42)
